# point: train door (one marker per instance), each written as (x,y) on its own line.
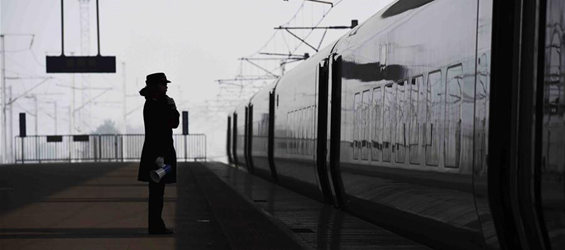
(271,137)
(245,137)
(234,139)
(249,136)
(321,142)
(551,170)
(334,130)
(228,142)
(365,129)
(525,141)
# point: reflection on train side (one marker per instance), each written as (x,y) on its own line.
(414,116)
(319,226)
(553,127)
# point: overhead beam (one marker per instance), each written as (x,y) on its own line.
(354,23)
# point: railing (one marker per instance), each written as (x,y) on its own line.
(93,148)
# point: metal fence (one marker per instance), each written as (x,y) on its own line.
(93,148)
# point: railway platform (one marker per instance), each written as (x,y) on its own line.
(212,206)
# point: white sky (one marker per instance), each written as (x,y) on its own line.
(193,42)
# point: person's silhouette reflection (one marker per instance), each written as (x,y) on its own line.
(160,116)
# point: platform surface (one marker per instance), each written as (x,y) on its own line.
(212,206)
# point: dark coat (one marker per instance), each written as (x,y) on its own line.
(160,116)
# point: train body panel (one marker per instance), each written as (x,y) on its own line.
(296,127)
(552,170)
(407,120)
(240,140)
(481,120)
(260,133)
(408,139)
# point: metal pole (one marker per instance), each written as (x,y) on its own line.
(124,109)
(55,103)
(97,27)
(70,121)
(36,134)
(4,129)
(22,148)
(70,141)
(99,147)
(124,100)
(116,147)
(72,118)
(62,30)
(36,113)
(122,146)
(11,137)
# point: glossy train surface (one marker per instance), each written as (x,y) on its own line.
(391,123)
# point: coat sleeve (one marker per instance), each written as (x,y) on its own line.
(173,113)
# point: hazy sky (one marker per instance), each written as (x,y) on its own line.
(193,42)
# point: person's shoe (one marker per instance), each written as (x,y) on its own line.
(161,231)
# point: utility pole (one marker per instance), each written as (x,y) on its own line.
(124,99)
(55,103)
(70,121)
(36,107)
(11,155)
(72,118)
(84,26)
(3,150)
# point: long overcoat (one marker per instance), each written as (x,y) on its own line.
(160,116)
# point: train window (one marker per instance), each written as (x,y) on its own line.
(303,127)
(299,127)
(481,112)
(552,167)
(401,121)
(453,103)
(356,122)
(422,115)
(376,124)
(289,137)
(294,136)
(415,117)
(312,121)
(365,125)
(436,90)
(306,129)
(387,122)
(292,132)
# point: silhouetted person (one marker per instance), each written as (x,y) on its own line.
(160,116)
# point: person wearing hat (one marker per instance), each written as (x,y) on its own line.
(160,116)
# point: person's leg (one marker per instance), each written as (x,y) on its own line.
(156,192)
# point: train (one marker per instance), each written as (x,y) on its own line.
(440,120)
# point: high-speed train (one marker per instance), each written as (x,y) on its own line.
(441,120)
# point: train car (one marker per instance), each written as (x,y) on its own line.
(393,123)
(240,138)
(296,104)
(229,139)
(549,166)
(407,106)
(261,127)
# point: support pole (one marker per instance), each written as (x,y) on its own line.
(11,130)
(124,110)
(55,104)
(4,128)
(62,30)
(124,99)
(97,27)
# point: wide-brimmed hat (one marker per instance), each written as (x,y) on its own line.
(156,78)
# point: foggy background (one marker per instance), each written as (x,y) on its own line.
(196,43)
